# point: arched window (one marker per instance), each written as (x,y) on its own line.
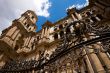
(88,13)
(27,26)
(38,38)
(60,26)
(32,17)
(16,47)
(68,30)
(55,36)
(61,34)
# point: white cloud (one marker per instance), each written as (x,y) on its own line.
(12,9)
(79,6)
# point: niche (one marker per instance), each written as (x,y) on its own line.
(61,34)
(55,36)
(68,30)
(60,26)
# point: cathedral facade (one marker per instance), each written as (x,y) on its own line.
(77,43)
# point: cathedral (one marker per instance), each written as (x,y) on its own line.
(77,43)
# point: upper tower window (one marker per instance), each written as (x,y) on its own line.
(27,25)
(32,17)
(88,13)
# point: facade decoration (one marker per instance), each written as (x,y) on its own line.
(78,43)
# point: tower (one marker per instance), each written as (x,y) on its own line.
(12,38)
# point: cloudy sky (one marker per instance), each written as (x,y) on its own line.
(51,10)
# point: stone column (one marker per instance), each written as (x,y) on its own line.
(27,42)
(96,62)
(103,57)
(89,66)
(42,33)
(78,16)
(73,17)
(58,36)
(94,59)
(68,68)
(15,34)
(58,70)
(11,31)
(82,69)
(33,71)
(45,34)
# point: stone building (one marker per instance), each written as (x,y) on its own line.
(78,43)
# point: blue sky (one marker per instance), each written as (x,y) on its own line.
(51,10)
(58,10)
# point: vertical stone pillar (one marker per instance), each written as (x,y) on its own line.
(11,31)
(73,17)
(42,33)
(103,57)
(78,16)
(82,69)
(46,33)
(96,62)
(33,71)
(58,70)
(15,34)
(89,66)
(28,40)
(68,68)
(58,36)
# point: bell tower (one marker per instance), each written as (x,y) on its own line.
(12,38)
(28,21)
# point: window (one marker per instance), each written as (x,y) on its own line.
(88,13)
(68,30)
(61,34)
(27,26)
(60,26)
(25,23)
(55,36)
(32,17)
